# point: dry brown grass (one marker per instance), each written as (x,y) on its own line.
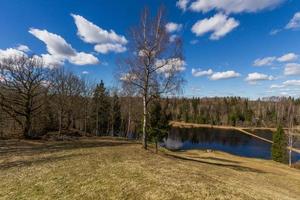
(104,168)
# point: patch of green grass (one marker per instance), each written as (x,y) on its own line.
(105,168)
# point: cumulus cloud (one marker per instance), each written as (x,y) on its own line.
(286,84)
(294,23)
(173,27)
(23,48)
(128,77)
(106,48)
(182,4)
(292,83)
(11,52)
(219,25)
(234,6)
(292,69)
(255,77)
(170,65)
(59,50)
(224,75)
(267,61)
(106,41)
(199,72)
(289,57)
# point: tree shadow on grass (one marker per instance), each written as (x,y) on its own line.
(231,166)
(216,159)
(36,161)
(15,148)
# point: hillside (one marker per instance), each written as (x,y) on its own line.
(105,168)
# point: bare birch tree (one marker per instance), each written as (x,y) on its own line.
(154,65)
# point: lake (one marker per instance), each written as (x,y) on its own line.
(230,141)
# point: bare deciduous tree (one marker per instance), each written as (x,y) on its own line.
(23,84)
(155,64)
(67,89)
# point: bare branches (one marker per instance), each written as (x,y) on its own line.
(155,64)
(22,84)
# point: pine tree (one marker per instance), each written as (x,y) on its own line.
(102,106)
(158,123)
(279,146)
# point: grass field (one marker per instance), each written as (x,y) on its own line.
(106,168)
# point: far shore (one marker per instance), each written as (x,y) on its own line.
(241,129)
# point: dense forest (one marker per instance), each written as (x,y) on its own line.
(36,101)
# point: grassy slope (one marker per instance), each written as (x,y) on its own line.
(117,169)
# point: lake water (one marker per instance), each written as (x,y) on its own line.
(230,141)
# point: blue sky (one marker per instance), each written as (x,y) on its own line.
(247,49)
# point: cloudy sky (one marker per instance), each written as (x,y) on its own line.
(248,48)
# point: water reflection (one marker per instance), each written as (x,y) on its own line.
(231,141)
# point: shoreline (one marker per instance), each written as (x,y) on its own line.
(241,129)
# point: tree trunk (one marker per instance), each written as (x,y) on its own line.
(144,138)
(27,128)
(290,149)
(156,146)
(129,123)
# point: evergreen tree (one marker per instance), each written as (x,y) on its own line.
(116,115)
(279,146)
(102,106)
(158,123)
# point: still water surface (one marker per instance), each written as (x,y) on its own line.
(230,141)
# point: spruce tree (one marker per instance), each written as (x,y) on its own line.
(158,123)
(279,146)
(102,106)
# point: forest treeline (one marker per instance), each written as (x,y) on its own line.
(36,100)
(236,111)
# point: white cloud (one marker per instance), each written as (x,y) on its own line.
(224,75)
(23,48)
(93,34)
(10,52)
(85,72)
(234,6)
(267,61)
(56,45)
(294,23)
(182,4)
(173,27)
(286,85)
(128,77)
(199,72)
(289,57)
(292,69)
(106,48)
(254,77)
(82,58)
(274,31)
(170,65)
(276,86)
(52,60)
(106,41)
(219,25)
(173,38)
(292,83)
(59,50)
